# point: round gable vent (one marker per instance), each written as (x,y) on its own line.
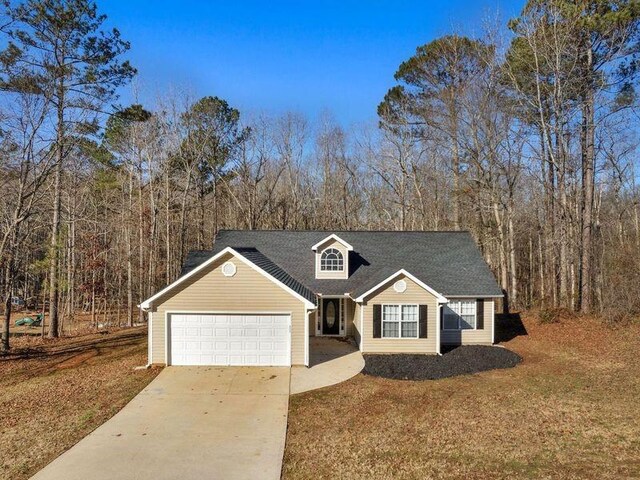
(400,286)
(228,269)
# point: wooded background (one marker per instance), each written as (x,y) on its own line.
(526,135)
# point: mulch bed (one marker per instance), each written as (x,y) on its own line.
(459,361)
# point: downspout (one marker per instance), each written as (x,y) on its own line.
(149,339)
(362,326)
(438,324)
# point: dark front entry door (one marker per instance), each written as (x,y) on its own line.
(331,316)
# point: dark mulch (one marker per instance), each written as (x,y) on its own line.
(459,361)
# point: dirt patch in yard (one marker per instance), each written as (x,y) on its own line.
(55,392)
(458,361)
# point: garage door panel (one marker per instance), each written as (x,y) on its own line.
(221,359)
(221,332)
(280,346)
(198,339)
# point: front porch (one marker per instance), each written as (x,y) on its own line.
(333,317)
(327,349)
(331,361)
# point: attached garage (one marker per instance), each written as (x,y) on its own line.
(234,309)
(231,339)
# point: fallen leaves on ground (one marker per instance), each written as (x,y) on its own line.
(53,393)
(569,411)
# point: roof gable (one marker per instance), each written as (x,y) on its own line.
(255,260)
(331,237)
(402,272)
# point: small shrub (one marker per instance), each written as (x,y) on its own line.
(556,315)
(547,316)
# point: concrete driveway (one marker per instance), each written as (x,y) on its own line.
(189,423)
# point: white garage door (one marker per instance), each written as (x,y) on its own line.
(233,339)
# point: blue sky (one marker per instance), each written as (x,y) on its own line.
(273,56)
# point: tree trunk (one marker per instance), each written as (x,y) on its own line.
(129,254)
(54,294)
(94,320)
(456,175)
(504,273)
(167,194)
(588,180)
(513,294)
(7,307)
(141,276)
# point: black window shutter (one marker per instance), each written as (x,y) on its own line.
(423,321)
(480,314)
(377,321)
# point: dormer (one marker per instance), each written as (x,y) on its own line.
(332,257)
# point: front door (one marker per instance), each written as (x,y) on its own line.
(331,316)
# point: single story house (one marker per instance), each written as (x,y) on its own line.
(257,297)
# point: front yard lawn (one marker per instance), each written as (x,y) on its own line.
(53,395)
(570,410)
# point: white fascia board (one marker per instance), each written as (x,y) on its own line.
(147,304)
(333,236)
(440,298)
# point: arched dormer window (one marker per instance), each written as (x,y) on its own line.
(331,260)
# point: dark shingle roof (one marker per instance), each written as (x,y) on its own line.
(449,262)
(276,272)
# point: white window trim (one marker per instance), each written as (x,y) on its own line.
(338,252)
(400,305)
(226,266)
(475,313)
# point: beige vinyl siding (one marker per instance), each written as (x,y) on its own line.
(345,255)
(473,337)
(247,291)
(414,294)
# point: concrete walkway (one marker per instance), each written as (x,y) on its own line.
(331,361)
(189,423)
